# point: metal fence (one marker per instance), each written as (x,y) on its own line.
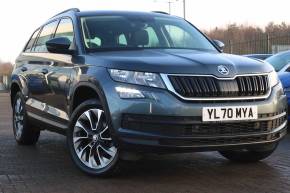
(264,44)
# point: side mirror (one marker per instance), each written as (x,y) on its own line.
(59,45)
(219,44)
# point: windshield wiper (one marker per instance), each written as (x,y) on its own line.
(114,49)
(142,48)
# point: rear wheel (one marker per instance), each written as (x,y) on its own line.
(90,142)
(250,154)
(23,131)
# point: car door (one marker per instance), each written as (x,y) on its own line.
(37,81)
(58,77)
(28,71)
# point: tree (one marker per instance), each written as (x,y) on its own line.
(246,39)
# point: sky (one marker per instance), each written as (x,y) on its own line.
(19,18)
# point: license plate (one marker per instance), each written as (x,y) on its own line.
(229,113)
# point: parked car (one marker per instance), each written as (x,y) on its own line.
(123,84)
(280,61)
(281,64)
(258,56)
(285,80)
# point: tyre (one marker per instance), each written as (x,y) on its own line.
(24,132)
(250,155)
(90,142)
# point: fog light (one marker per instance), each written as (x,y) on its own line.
(129,93)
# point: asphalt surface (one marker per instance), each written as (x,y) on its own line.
(47,167)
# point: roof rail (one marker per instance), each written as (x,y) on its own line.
(161,12)
(72,9)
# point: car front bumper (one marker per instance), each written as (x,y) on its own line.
(164,122)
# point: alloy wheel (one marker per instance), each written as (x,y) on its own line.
(18,118)
(92,141)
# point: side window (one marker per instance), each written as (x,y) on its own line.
(122,40)
(45,35)
(179,37)
(65,29)
(153,39)
(31,41)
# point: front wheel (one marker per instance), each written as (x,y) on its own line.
(91,145)
(250,154)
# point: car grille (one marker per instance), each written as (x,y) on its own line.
(203,86)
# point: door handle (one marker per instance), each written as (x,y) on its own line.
(23,69)
(44,71)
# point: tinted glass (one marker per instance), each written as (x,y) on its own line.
(65,29)
(45,35)
(179,37)
(146,32)
(278,61)
(31,41)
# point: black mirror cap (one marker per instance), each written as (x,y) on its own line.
(219,44)
(59,45)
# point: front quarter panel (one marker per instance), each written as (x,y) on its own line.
(89,76)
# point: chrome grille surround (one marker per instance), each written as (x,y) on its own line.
(170,87)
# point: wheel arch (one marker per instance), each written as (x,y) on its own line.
(14,89)
(84,91)
(99,93)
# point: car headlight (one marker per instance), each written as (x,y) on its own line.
(139,78)
(273,79)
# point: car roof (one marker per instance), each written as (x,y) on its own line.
(283,52)
(258,55)
(123,13)
(279,54)
(76,11)
(73,12)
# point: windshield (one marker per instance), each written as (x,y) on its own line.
(135,32)
(279,61)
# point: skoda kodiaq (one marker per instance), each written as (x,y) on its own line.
(121,84)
